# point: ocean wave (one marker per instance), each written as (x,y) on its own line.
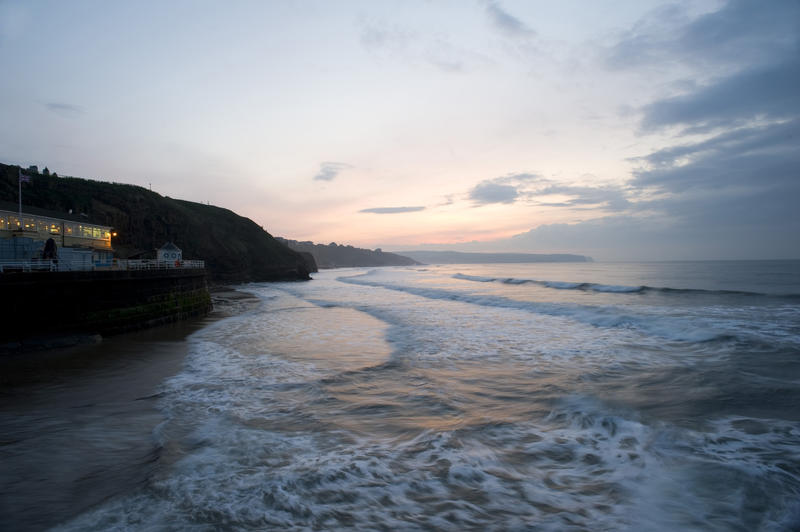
(584,466)
(622,289)
(558,285)
(668,327)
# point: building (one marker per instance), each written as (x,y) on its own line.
(79,245)
(169,252)
(76,245)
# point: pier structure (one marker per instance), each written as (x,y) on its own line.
(63,272)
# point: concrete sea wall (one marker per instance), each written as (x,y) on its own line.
(36,304)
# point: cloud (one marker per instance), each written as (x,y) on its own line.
(486,192)
(761,92)
(741,32)
(738,187)
(392,210)
(729,186)
(608,197)
(732,185)
(64,109)
(719,226)
(506,22)
(748,157)
(534,188)
(742,64)
(329,170)
(505,189)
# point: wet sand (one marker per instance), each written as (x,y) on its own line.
(78,424)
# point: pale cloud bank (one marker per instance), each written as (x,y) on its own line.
(536,190)
(733,192)
(392,210)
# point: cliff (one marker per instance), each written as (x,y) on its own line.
(235,248)
(336,256)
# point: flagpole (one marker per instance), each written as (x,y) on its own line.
(19,171)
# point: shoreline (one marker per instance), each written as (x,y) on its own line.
(49,353)
(79,423)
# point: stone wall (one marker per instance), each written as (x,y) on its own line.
(36,304)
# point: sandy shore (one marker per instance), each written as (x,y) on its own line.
(73,353)
(229,301)
(77,424)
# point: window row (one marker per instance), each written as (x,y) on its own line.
(53,226)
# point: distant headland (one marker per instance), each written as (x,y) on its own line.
(457,257)
(334,255)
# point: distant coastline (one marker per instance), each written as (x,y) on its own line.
(457,257)
(335,255)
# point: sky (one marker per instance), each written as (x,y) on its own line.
(623,130)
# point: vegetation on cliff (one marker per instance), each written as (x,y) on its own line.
(235,248)
(334,255)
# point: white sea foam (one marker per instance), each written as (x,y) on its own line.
(649,321)
(580,467)
(393,400)
(616,288)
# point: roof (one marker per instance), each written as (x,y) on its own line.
(169,246)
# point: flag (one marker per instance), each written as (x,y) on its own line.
(24,178)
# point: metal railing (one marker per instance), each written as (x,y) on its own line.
(41,265)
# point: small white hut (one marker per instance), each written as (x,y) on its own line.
(169,252)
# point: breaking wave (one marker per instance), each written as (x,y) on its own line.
(622,289)
(675,328)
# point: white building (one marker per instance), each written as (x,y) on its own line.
(80,245)
(169,252)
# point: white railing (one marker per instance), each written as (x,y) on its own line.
(150,264)
(118,264)
(28,266)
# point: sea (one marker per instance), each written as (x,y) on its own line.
(655,396)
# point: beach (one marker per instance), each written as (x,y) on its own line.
(77,423)
(573,396)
